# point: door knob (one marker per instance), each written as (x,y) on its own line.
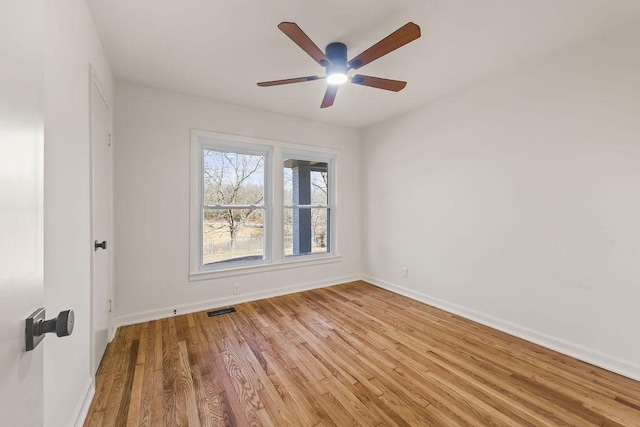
(97,245)
(37,326)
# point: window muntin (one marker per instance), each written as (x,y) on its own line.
(233,209)
(306,208)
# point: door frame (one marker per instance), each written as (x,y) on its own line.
(95,81)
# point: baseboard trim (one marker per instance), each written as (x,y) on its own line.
(163,313)
(82,409)
(610,363)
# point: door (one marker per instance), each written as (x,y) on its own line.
(21,208)
(100,222)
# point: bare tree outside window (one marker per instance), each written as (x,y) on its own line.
(233,206)
(319,196)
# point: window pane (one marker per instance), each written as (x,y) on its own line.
(232,235)
(306,231)
(305,182)
(232,178)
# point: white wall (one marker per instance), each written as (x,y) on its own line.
(71,45)
(151,190)
(515,202)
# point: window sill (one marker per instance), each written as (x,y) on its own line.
(286,264)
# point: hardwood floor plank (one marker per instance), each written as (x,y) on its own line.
(170,373)
(157,396)
(352,354)
(186,386)
(148,362)
(126,385)
(135,402)
(97,420)
(158,348)
(208,411)
(232,402)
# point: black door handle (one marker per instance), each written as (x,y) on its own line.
(37,326)
(97,245)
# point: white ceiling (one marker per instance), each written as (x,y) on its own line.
(220,49)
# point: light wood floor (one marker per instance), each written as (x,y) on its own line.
(347,355)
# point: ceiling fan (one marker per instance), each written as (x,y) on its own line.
(334,60)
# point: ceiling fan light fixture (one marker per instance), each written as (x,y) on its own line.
(337,78)
(337,67)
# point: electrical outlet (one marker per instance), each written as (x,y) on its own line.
(405,272)
(236,289)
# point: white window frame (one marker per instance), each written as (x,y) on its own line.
(274,152)
(312,156)
(226,144)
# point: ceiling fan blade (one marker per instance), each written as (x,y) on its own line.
(329,96)
(405,34)
(288,81)
(301,39)
(379,83)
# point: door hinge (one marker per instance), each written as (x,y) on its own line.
(109,306)
(109,144)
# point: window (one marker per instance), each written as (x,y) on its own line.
(233,221)
(233,210)
(307,215)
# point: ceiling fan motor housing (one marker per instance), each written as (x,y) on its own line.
(337,54)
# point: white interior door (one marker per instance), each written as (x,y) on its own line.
(21,210)
(100,222)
